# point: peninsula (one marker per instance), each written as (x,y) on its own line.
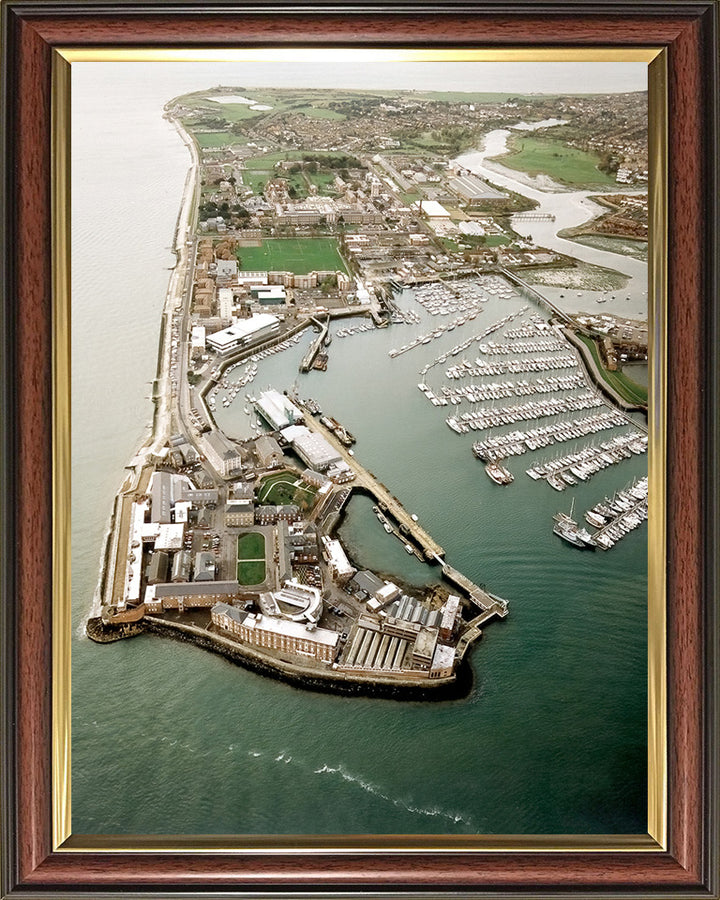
(301,209)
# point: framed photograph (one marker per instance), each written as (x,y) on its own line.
(360,369)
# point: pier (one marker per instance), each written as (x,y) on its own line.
(314,348)
(389,504)
(535,295)
(488,603)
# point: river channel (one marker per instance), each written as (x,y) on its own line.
(568,209)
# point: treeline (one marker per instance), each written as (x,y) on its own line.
(211,210)
(332,161)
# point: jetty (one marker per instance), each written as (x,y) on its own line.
(387,502)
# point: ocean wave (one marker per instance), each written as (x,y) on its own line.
(398,802)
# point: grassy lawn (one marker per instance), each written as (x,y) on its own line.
(251,558)
(324,181)
(237,112)
(284,489)
(297,255)
(319,112)
(628,389)
(209,139)
(256,179)
(538,156)
(250,572)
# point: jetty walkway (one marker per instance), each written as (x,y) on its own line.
(389,504)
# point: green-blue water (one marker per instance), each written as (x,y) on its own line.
(169,738)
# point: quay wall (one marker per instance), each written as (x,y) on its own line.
(331,681)
(591,368)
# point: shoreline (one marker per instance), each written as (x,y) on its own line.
(294,674)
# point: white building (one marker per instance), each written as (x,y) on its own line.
(277,409)
(277,634)
(244,332)
(225,303)
(338,563)
(223,456)
(312,448)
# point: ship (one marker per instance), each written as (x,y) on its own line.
(567,528)
(499,474)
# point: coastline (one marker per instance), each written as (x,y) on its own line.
(331,681)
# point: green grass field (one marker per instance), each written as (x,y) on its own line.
(297,255)
(628,389)
(538,156)
(251,558)
(285,488)
(325,181)
(319,112)
(256,179)
(210,139)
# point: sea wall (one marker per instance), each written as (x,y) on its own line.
(330,681)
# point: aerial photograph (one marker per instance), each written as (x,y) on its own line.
(360,438)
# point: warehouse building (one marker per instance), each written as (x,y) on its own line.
(312,448)
(277,409)
(222,455)
(473,190)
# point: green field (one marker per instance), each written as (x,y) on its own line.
(284,489)
(319,112)
(236,112)
(210,139)
(628,389)
(324,181)
(297,255)
(251,558)
(538,156)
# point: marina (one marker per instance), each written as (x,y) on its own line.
(404,439)
(586,462)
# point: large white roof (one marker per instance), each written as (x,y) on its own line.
(241,329)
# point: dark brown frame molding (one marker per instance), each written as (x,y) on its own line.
(688,29)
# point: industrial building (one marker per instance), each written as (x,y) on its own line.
(268,295)
(473,190)
(244,332)
(277,410)
(312,448)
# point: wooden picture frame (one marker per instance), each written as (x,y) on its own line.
(688,866)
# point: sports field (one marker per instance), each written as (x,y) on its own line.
(212,139)
(251,558)
(296,255)
(285,488)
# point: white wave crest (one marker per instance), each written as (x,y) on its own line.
(373,789)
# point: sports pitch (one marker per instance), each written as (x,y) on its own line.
(296,255)
(251,558)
